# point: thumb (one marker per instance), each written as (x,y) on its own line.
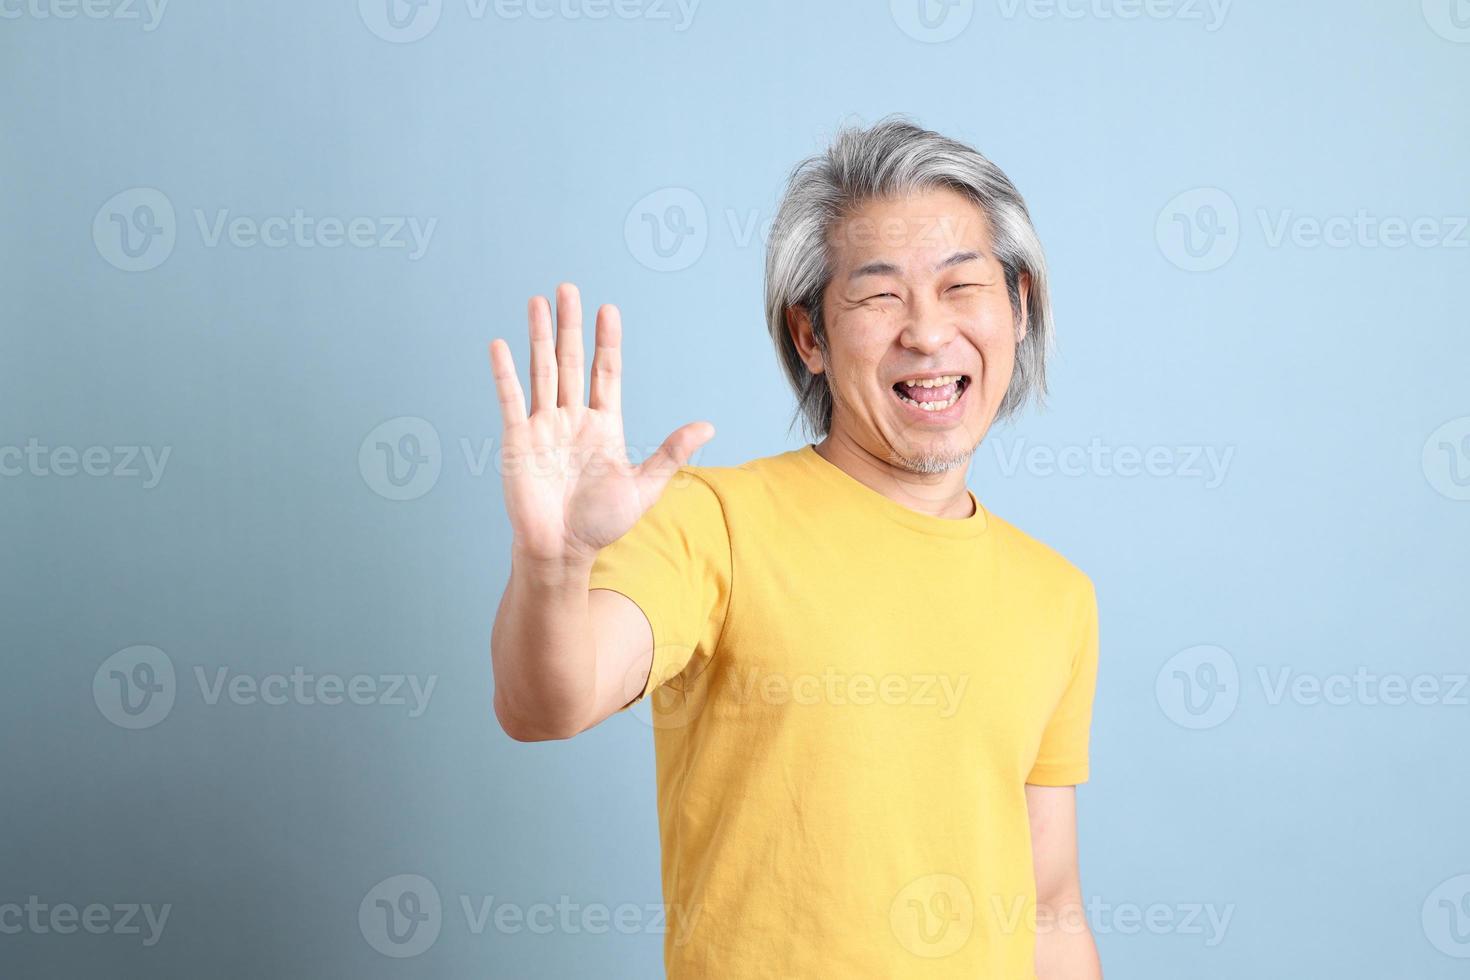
(655,472)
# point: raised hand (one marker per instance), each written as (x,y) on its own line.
(569,488)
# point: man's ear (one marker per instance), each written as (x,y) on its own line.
(1024,321)
(799,325)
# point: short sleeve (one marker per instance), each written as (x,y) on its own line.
(1062,759)
(675,565)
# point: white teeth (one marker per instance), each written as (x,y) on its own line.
(934,382)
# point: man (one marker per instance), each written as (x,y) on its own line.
(872,696)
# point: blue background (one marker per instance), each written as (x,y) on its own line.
(1334,540)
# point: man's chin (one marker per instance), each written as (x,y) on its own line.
(939,458)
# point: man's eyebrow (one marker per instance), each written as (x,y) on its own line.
(958,258)
(889,269)
(874,269)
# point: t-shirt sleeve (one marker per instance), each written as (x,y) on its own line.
(675,565)
(1062,759)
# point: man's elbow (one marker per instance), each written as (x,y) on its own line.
(523,728)
(1062,910)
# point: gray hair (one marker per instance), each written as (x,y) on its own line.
(895,157)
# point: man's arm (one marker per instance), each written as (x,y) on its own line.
(566,656)
(1064,945)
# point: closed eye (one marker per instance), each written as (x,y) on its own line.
(964,285)
(881,295)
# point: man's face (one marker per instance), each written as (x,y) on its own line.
(916,292)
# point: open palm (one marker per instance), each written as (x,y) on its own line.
(569,487)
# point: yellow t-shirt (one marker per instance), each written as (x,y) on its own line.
(849,698)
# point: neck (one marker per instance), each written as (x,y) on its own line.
(938,494)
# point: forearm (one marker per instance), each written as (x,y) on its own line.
(543,652)
(1064,946)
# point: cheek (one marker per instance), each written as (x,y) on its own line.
(855,353)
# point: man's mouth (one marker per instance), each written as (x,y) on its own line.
(933,394)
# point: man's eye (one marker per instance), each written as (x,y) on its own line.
(882,295)
(964,285)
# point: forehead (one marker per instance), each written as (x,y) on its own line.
(925,226)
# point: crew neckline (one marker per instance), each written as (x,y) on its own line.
(949,527)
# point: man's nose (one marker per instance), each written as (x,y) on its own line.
(929,326)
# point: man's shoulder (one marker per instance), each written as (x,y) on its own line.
(1037,558)
(757,475)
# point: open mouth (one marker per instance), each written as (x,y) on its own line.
(933,394)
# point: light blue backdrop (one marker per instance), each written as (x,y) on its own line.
(253,253)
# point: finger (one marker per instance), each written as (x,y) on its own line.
(543,356)
(655,471)
(569,353)
(607,362)
(507,386)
